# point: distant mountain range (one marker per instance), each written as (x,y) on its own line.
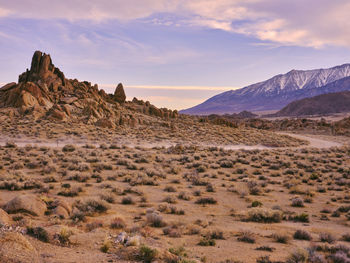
(318,105)
(277,92)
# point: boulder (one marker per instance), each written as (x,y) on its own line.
(119,94)
(105,123)
(15,248)
(30,204)
(5,219)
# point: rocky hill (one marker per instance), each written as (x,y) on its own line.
(44,92)
(318,105)
(277,92)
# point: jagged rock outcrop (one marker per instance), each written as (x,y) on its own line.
(44,92)
(119,94)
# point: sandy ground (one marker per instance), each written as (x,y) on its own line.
(315,141)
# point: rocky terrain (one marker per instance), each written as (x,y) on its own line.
(277,92)
(44,92)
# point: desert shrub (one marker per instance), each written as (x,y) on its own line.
(265,248)
(93,225)
(170,199)
(63,236)
(297,202)
(299,256)
(92,206)
(147,254)
(155,220)
(303,217)
(78,216)
(127,200)
(70,192)
(170,189)
(206,200)
(210,188)
(264,216)
(280,238)
(256,204)
(247,237)
(327,237)
(108,198)
(302,235)
(207,242)
(263,259)
(117,223)
(172,231)
(184,196)
(253,188)
(39,233)
(106,246)
(346,237)
(69,148)
(215,234)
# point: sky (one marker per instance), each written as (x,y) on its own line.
(174,53)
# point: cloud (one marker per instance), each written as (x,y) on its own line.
(312,23)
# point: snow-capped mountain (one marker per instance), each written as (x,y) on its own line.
(274,93)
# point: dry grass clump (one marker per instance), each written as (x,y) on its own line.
(91,207)
(247,237)
(155,220)
(206,200)
(262,215)
(302,235)
(117,223)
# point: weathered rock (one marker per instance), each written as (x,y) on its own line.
(68,100)
(119,94)
(15,248)
(105,123)
(57,113)
(8,86)
(5,219)
(26,203)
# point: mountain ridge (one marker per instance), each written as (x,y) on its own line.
(272,94)
(323,104)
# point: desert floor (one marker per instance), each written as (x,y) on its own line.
(176,202)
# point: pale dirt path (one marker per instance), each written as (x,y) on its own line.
(314,142)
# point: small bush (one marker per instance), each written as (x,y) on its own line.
(39,233)
(300,256)
(118,223)
(297,202)
(68,148)
(127,200)
(280,238)
(93,225)
(64,236)
(207,242)
(147,254)
(106,246)
(155,220)
(327,237)
(302,235)
(264,216)
(247,237)
(303,217)
(206,200)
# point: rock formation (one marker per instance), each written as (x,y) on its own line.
(44,92)
(119,94)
